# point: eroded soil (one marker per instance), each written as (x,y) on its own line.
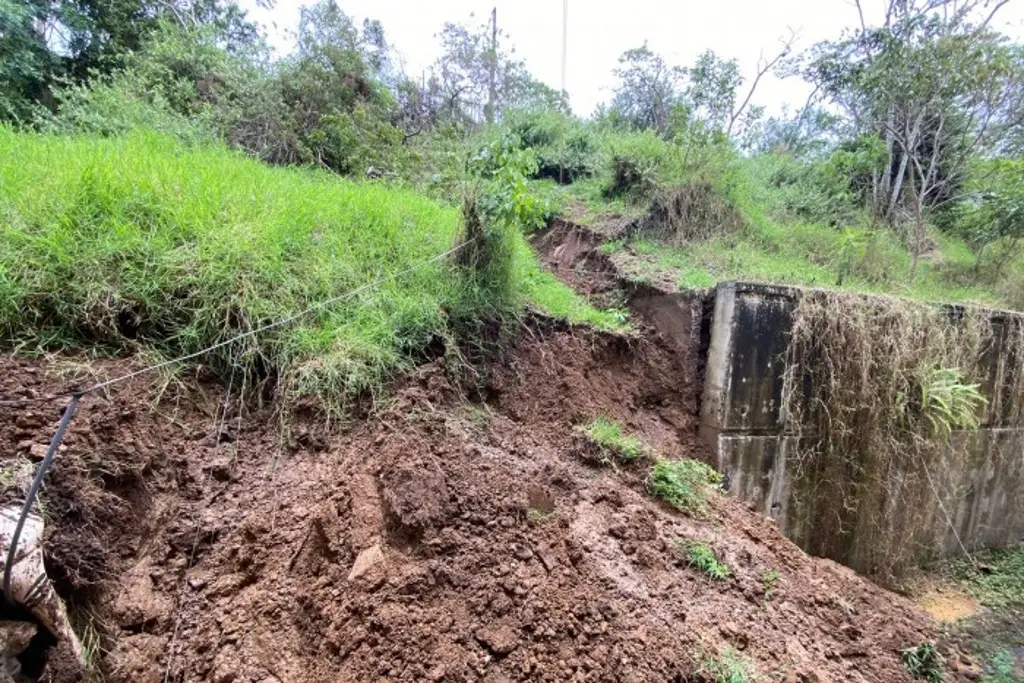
(455,535)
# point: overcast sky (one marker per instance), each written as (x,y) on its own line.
(599,31)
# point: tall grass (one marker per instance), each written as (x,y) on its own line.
(140,243)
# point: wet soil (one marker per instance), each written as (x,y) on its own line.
(454,535)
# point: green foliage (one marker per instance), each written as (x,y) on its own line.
(1001,668)
(924,662)
(506,197)
(684,484)
(612,442)
(94,38)
(949,401)
(992,208)
(565,148)
(139,243)
(701,557)
(1001,585)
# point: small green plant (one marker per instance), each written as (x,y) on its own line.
(538,516)
(612,442)
(1000,668)
(768,581)
(1001,585)
(685,484)
(729,667)
(924,662)
(702,557)
(949,402)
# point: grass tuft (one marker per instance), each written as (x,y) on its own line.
(684,484)
(924,662)
(728,666)
(700,556)
(613,442)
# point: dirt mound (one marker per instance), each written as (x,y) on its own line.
(442,539)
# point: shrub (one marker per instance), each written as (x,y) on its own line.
(684,484)
(924,662)
(565,148)
(610,440)
(639,163)
(701,557)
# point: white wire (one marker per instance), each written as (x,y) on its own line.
(276,323)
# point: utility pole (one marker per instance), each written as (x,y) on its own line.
(565,42)
(491,76)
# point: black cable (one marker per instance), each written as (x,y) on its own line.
(58,436)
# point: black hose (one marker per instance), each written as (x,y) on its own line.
(30,499)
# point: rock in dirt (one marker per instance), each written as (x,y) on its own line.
(415,499)
(500,640)
(366,561)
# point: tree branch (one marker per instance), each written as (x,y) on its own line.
(763,68)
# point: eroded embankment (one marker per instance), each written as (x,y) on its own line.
(454,536)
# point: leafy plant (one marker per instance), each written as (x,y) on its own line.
(924,662)
(703,558)
(685,484)
(612,442)
(949,402)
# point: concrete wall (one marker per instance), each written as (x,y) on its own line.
(980,486)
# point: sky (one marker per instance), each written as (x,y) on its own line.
(599,31)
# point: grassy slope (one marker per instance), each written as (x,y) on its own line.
(105,239)
(778,248)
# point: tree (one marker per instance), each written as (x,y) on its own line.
(930,83)
(648,89)
(672,100)
(46,42)
(476,79)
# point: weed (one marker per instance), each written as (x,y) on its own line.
(728,667)
(685,484)
(703,558)
(768,580)
(1001,668)
(949,402)
(612,442)
(538,516)
(924,662)
(1002,583)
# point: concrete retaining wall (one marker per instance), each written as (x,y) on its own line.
(981,488)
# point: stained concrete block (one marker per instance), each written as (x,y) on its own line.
(977,488)
(746,359)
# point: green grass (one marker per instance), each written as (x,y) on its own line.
(613,442)
(1001,669)
(140,243)
(701,557)
(775,247)
(684,484)
(1002,585)
(924,663)
(728,667)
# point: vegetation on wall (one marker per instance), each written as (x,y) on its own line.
(892,380)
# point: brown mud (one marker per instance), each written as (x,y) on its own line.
(454,535)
